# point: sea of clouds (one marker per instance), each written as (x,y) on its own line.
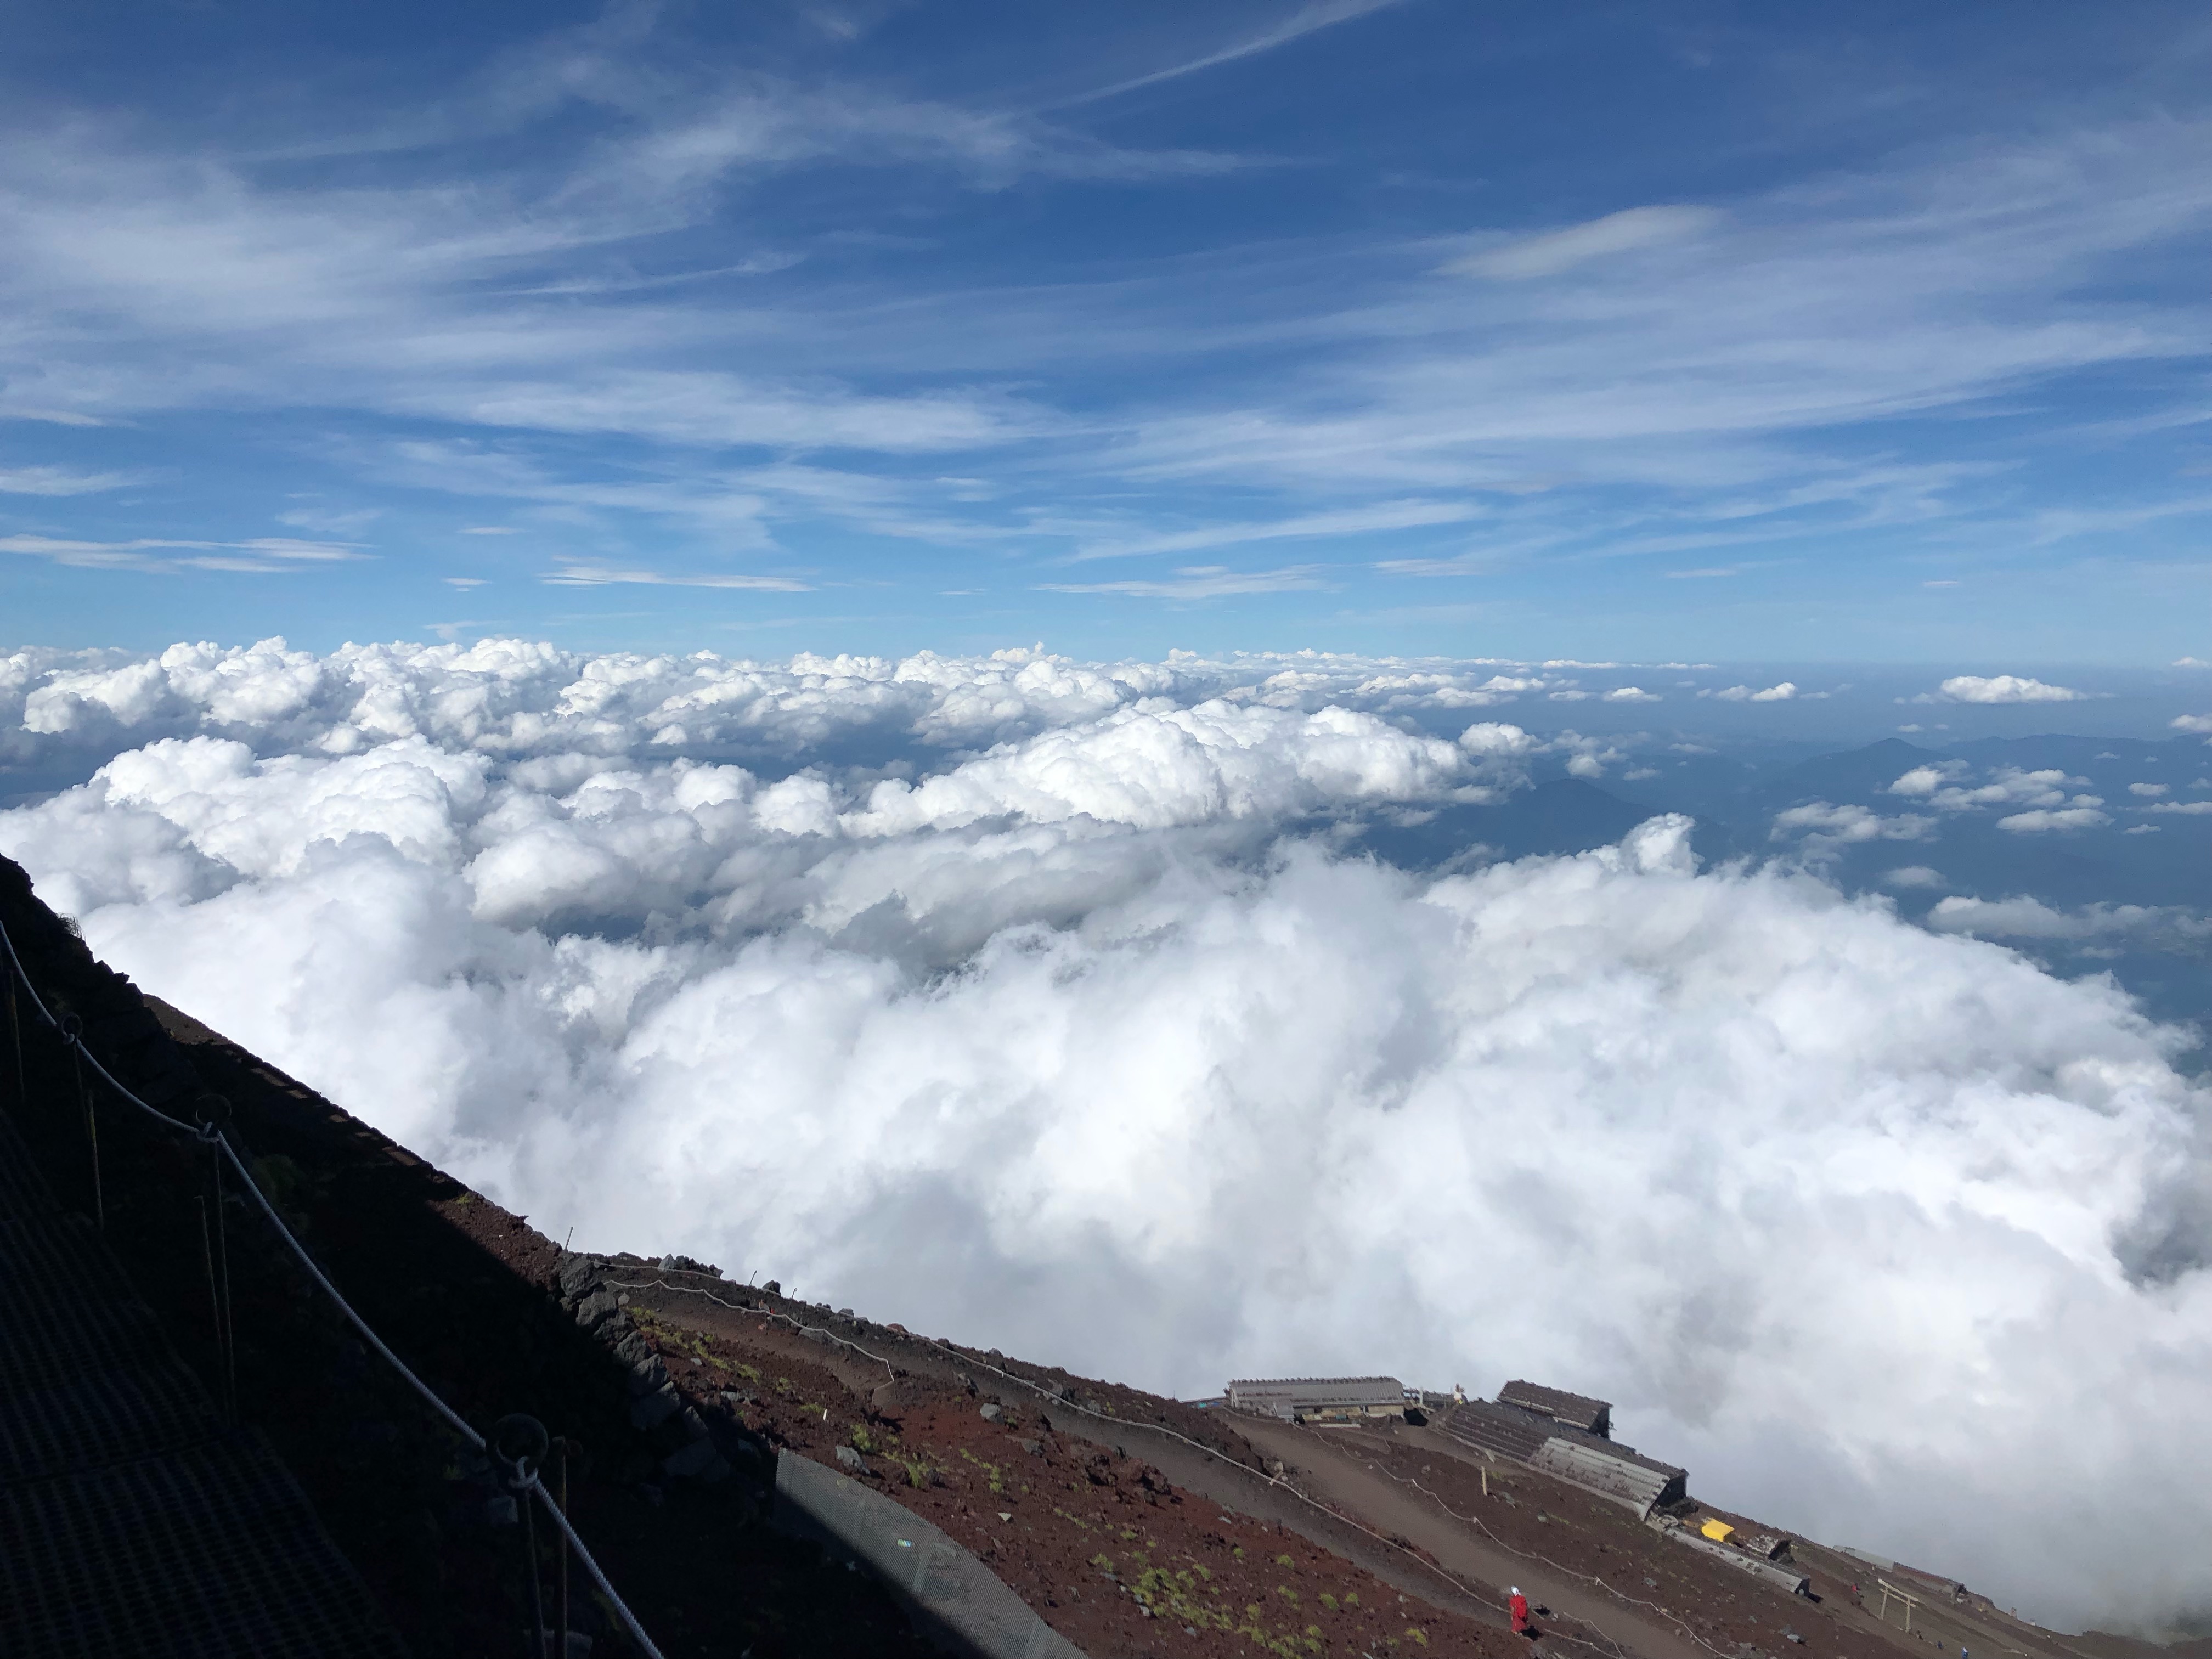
(1051,1006)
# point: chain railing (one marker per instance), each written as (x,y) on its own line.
(518,1443)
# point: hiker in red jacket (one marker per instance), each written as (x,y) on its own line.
(1519,1605)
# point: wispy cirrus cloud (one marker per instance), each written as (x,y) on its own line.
(586,253)
(263,555)
(599,576)
(1309,19)
(1552,252)
(1205,581)
(63,481)
(1379,518)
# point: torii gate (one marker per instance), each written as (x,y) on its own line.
(1889,1590)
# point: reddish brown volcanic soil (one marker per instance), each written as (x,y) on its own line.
(1115,1555)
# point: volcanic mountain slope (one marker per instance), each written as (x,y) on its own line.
(1132,1523)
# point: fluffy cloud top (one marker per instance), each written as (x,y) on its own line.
(1823,821)
(2029,918)
(2004,688)
(515,698)
(1079,1041)
(2067,817)
(2042,791)
(1782,693)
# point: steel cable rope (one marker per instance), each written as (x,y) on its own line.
(1449,1577)
(212,1135)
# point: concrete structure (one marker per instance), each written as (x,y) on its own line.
(1573,1411)
(1295,1399)
(954,1600)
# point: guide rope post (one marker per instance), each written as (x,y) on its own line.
(518,1443)
(16,1035)
(215,1299)
(72,1031)
(213,1113)
(560,1502)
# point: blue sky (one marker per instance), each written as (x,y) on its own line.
(1868,334)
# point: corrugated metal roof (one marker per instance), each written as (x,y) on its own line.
(1499,1430)
(1308,1381)
(1578,1410)
(1292,1396)
(1635,1483)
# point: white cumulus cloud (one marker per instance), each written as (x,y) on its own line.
(2001,688)
(2043,820)
(1784,692)
(1824,822)
(1066,1031)
(2031,918)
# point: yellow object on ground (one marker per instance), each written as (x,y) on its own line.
(1718,1531)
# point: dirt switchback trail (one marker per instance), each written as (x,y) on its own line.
(1334,1473)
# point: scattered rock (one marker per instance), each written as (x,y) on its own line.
(697,1461)
(652,1410)
(992,1414)
(851,1459)
(596,1309)
(577,1275)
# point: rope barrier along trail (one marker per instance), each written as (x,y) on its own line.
(1529,1555)
(1276,1480)
(210,1131)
